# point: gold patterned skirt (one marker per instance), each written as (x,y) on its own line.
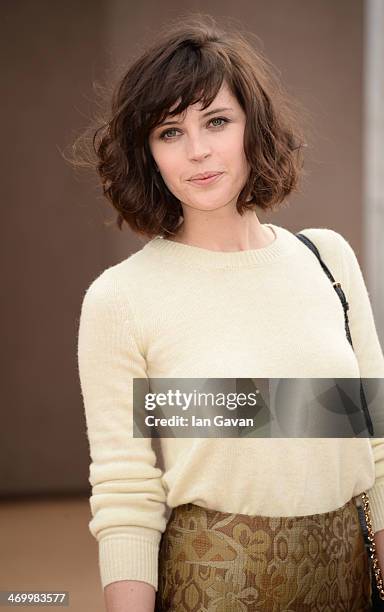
(212,561)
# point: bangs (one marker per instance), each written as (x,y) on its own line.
(188,76)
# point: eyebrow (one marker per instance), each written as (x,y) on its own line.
(211,112)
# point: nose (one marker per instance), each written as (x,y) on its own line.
(197,147)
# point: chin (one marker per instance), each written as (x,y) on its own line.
(208,206)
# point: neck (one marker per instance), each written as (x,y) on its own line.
(244,233)
(181,254)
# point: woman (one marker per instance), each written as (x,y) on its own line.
(200,135)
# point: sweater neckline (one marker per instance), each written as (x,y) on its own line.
(282,246)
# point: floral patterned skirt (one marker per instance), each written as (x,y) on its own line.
(212,561)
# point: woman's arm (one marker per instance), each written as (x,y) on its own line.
(128,497)
(371,365)
(379,541)
(129,596)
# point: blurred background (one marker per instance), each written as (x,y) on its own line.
(330,56)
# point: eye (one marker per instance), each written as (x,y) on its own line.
(219,119)
(164,134)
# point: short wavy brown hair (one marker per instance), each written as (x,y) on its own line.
(188,62)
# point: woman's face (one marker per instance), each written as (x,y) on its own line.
(203,141)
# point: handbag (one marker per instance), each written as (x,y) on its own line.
(365,514)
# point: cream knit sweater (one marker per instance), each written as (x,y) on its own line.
(174,310)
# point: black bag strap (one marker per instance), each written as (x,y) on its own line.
(337,287)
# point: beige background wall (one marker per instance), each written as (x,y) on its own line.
(54,241)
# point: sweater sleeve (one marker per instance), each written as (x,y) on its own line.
(128,499)
(371,362)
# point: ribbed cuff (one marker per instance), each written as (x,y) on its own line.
(129,557)
(376,504)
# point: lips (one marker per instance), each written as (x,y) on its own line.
(204,175)
(205,182)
